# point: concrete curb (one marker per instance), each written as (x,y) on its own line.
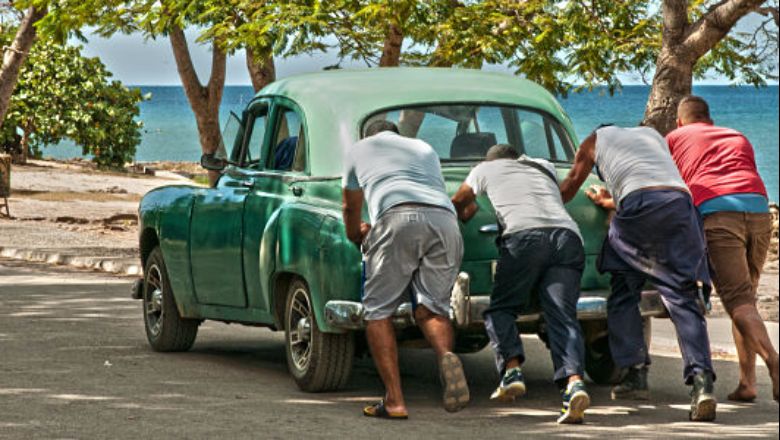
(116,265)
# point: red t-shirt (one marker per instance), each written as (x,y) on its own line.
(714,161)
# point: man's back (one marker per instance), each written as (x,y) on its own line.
(714,161)
(523,196)
(630,159)
(393,169)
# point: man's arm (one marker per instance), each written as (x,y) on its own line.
(352,206)
(583,164)
(465,202)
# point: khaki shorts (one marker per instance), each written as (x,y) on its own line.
(737,243)
(412,253)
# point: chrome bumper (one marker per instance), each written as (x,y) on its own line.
(468,310)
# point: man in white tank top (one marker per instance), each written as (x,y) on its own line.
(655,236)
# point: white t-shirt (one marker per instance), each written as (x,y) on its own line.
(522,196)
(393,169)
(629,159)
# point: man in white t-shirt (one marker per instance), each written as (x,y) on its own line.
(655,235)
(541,259)
(412,250)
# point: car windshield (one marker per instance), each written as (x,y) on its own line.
(464,132)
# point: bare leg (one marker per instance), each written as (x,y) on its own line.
(746,388)
(513,363)
(384,350)
(437,330)
(752,329)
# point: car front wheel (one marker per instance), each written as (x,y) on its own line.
(166,330)
(317,361)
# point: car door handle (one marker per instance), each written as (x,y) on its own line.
(240,183)
(296,190)
(489,229)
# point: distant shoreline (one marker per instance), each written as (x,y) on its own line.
(595,88)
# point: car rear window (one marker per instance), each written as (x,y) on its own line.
(464,132)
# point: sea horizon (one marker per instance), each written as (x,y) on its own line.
(170,132)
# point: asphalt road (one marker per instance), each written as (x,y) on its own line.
(74,363)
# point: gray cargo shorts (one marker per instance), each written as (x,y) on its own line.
(412,253)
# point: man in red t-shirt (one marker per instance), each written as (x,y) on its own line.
(719,167)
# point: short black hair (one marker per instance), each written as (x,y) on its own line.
(693,109)
(501,151)
(380,126)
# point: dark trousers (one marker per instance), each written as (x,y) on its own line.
(541,266)
(656,236)
(626,337)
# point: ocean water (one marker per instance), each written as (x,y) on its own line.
(170,133)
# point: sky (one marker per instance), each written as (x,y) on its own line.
(137,61)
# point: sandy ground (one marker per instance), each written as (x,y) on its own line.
(71,205)
(75,363)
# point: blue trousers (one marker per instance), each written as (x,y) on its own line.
(656,236)
(538,266)
(626,337)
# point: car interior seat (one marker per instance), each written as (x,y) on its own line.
(299,163)
(285,153)
(472,144)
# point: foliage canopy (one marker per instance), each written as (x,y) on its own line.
(63,95)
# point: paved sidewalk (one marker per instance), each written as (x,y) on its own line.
(664,341)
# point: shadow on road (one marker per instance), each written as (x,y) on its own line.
(74,362)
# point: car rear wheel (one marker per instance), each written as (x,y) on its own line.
(317,361)
(166,330)
(599,364)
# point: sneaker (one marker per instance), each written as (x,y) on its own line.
(512,385)
(703,403)
(575,401)
(633,386)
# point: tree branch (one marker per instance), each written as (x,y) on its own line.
(15,55)
(216,84)
(716,24)
(767,11)
(189,77)
(675,14)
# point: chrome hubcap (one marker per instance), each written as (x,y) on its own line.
(153,299)
(300,329)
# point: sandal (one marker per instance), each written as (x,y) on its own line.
(456,389)
(378,410)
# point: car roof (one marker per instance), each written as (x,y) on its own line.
(336,102)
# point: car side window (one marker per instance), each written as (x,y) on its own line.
(254,146)
(288,146)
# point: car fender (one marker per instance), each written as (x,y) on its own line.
(309,242)
(168,211)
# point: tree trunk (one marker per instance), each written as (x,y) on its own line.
(204,100)
(683,44)
(262,71)
(14,57)
(19,157)
(391,53)
(673,80)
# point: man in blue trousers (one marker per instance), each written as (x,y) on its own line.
(656,235)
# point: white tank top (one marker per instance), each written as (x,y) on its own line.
(629,159)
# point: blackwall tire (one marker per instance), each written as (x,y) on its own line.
(166,330)
(317,361)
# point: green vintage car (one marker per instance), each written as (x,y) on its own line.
(266,246)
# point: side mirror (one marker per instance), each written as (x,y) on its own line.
(212,162)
